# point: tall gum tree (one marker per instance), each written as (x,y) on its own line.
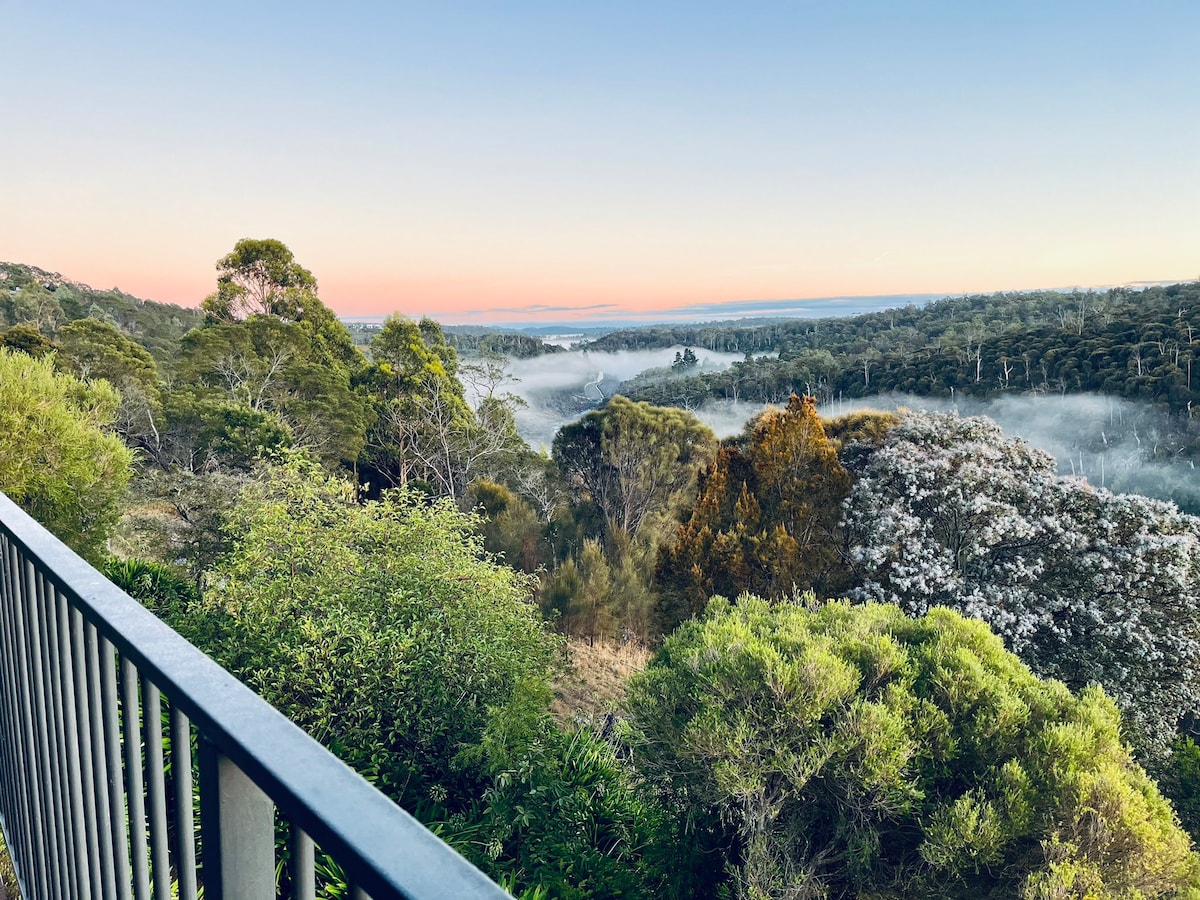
(271,359)
(634,460)
(425,429)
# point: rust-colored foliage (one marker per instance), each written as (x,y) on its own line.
(765,519)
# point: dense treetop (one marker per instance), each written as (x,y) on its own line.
(46,300)
(852,751)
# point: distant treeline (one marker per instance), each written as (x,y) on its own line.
(482,342)
(1137,344)
(45,300)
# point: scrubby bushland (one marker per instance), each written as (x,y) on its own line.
(58,459)
(852,751)
(1082,584)
(385,631)
(378,627)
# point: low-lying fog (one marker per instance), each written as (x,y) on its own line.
(1111,442)
(560,387)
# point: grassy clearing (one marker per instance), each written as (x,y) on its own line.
(8,878)
(595,683)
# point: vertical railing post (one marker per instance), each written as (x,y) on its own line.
(118,819)
(102,777)
(304,881)
(135,786)
(42,837)
(87,766)
(156,789)
(185,825)
(17,802)
(51,691)
(237,830)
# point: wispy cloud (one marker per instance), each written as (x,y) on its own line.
(541,308)
(619,314)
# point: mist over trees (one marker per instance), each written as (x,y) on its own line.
(359,531)
(1136,345)
(1131,343)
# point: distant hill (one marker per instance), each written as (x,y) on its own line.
(1136,344)
(47,300)
(1135,353)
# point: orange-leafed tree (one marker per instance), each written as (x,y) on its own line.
(765,520)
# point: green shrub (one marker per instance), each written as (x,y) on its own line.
(380,628)
(57,460)
(853,751)
(561,812)
(162,589)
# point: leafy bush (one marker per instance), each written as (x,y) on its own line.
(56,458)
(853,751)
(380,628)
(561,813)
(165,591)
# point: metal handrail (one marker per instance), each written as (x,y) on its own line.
(77,818)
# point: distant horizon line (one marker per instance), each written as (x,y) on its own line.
(842,306)
(612,316)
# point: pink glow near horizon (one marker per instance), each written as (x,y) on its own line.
(460,301)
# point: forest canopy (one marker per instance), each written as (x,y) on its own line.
(960,671)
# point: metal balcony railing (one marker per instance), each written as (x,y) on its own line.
(101,705)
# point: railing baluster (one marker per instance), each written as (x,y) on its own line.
(83,724)
(237,822)
(157,788)
(37,843)
(12,742)
(100,754)
(45,700)
(304,876)
(73,808)
(112,750)
(135,786)
(185,825)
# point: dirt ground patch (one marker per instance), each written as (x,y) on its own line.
(594,685)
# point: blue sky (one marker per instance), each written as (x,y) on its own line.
(460,159)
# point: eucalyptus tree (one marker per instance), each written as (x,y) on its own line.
(633,460)
(91,348)
(272,361)
(260,276)
(426,430)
